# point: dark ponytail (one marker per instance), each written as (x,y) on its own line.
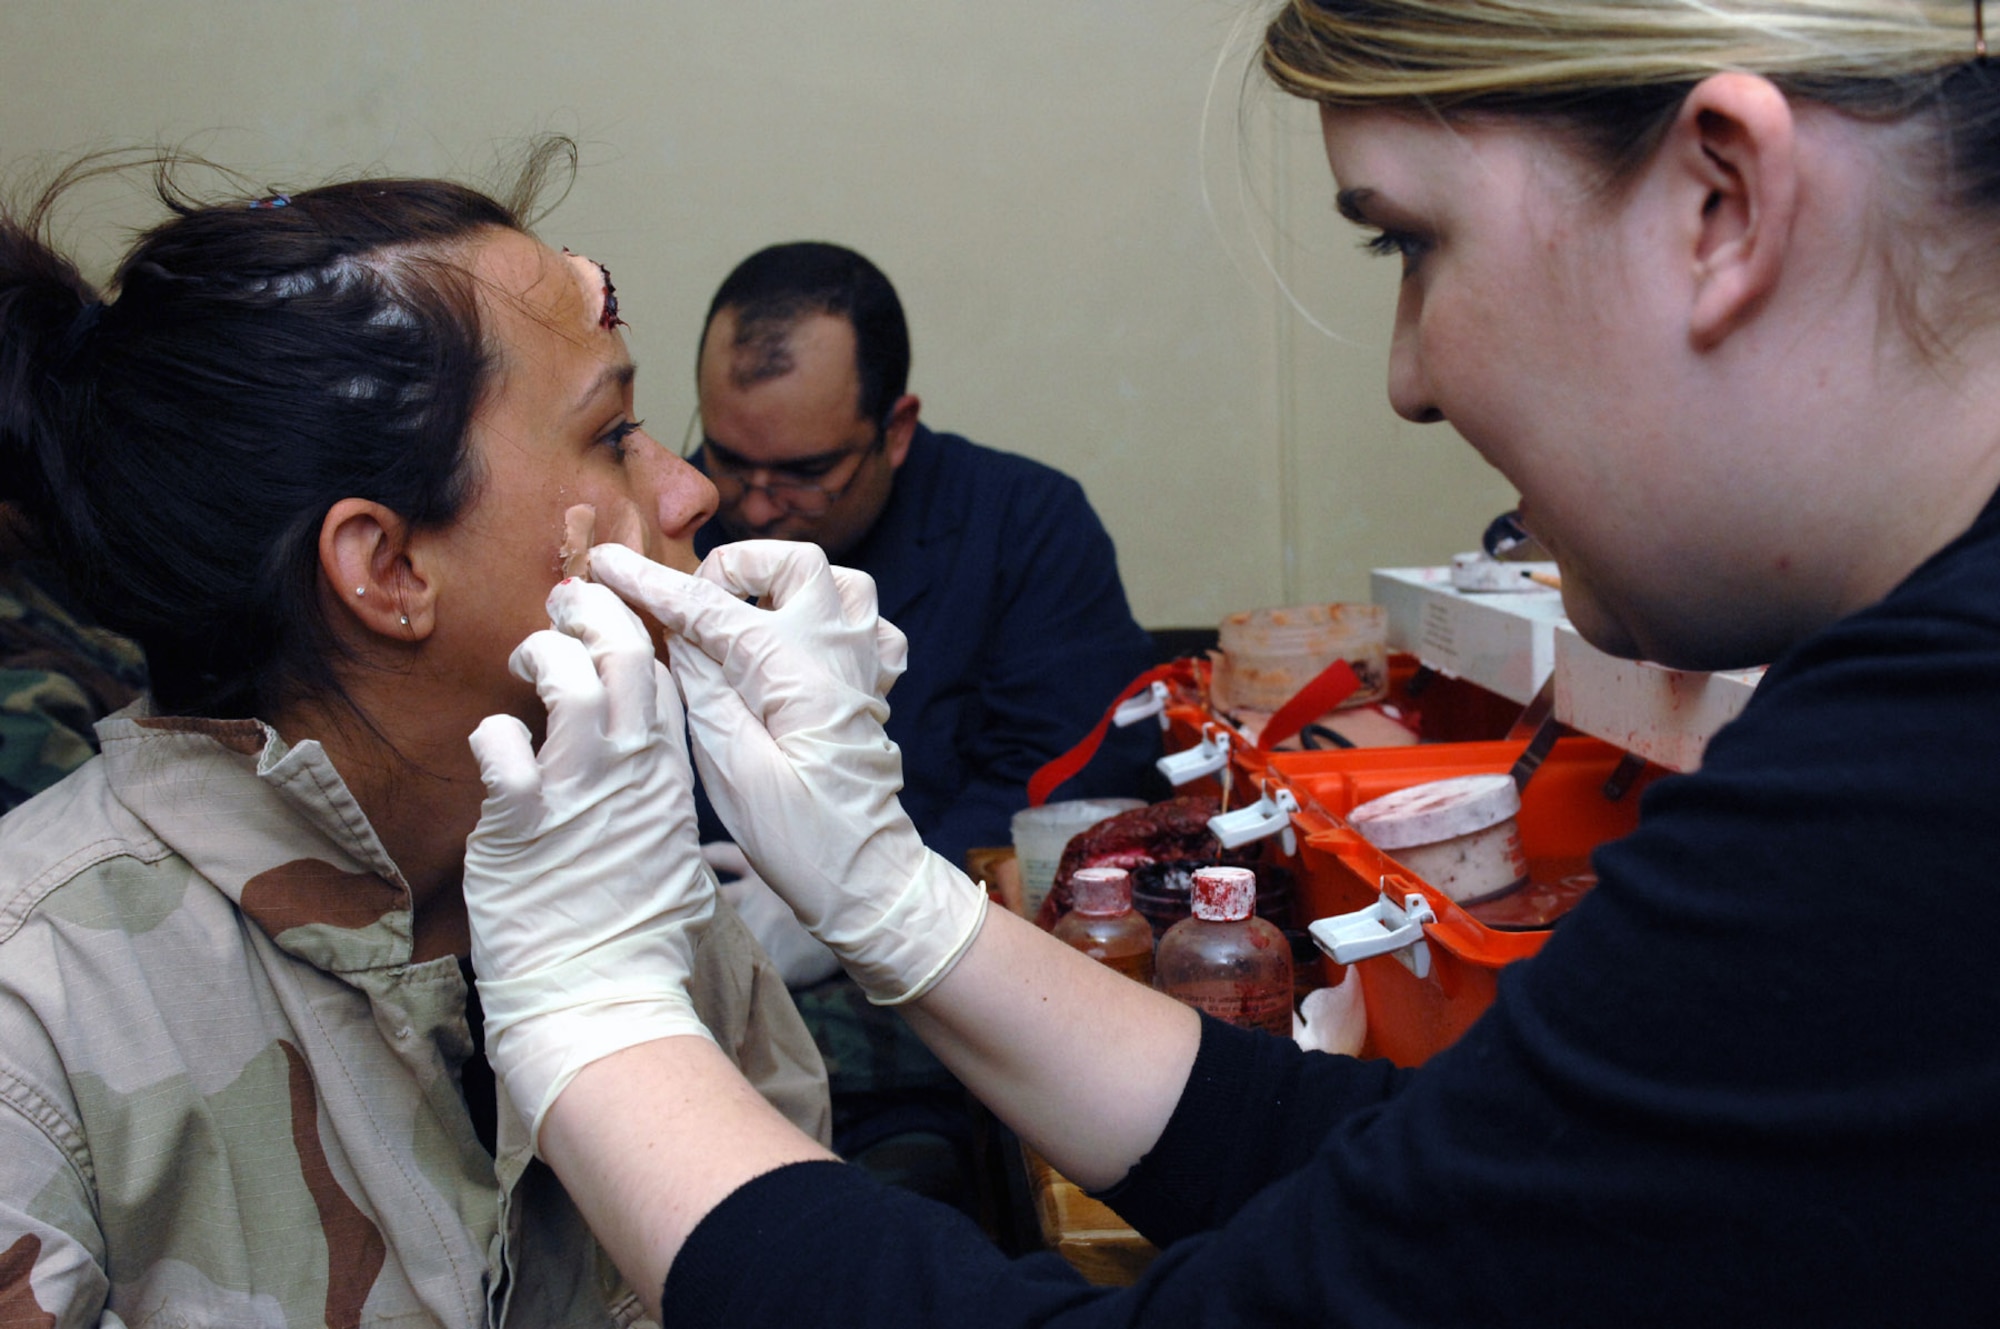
(261,359)
(47,315)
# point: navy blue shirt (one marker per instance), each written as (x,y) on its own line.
(1006,583)
(1753,1079)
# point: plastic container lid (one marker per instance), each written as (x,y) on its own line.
(1100,891)
(1439,810)
(1224,895)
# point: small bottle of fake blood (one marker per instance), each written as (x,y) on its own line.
(1225,960)
(1103,925)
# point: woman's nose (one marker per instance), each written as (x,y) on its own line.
(685,497)
(1410,390)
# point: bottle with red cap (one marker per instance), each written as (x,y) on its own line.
(1103,925)
(1225,960)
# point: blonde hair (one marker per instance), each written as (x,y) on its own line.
(1611,75)
(1448,53)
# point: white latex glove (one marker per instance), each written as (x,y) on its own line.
(785,705)
(584,880)
(801,958)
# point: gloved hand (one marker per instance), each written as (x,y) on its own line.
(785,705)
(584,880)
(801,958)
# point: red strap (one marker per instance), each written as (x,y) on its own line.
(1043,782)
(1330,687)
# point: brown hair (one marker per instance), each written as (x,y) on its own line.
(259,359)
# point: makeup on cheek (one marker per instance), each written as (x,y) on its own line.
(581,531)
(579,526)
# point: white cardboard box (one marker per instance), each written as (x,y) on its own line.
(1511,642)
(1503,641)
(1664,715)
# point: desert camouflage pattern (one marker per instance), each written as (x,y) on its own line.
(58,677)
(226,1095)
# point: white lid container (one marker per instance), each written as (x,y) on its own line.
(1267,655)
(1042,833)
(1459,835)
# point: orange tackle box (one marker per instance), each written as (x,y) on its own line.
(1430,965)
(1441,709)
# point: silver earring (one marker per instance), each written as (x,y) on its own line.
(404,619)
(361,590)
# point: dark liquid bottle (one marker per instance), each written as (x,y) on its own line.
(1103,925)
(1225,960)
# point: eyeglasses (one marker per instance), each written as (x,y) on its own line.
(799,495)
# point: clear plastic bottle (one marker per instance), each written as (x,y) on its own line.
(1225,960)
(1103,925)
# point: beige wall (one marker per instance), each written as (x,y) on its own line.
(1029,173)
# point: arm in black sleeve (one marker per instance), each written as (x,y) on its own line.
(1751,1080)
(1256,1109)
(822,1243)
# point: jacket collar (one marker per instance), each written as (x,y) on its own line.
(274,827)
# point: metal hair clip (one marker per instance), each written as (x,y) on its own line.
(274,201)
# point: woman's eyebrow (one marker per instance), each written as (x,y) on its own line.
(620,376)
(1353,204)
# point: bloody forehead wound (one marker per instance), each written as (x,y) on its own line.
(607,317)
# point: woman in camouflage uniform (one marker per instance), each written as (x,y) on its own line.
(314,455)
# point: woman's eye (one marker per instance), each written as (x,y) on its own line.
(1400,244)
(615,437)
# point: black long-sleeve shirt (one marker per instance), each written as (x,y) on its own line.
(1753,1079)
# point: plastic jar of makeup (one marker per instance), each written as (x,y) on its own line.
(1459,835)
(1264,656)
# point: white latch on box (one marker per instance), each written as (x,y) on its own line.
(1269,815)
(1153,701)
(1204,758)
(1380,929)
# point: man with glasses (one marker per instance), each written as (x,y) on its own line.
(993,565)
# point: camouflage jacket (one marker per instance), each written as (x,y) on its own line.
(58,677)
(227,1096)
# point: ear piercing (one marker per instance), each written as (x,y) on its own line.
(361,591)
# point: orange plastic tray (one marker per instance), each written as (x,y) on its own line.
(1565,814)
